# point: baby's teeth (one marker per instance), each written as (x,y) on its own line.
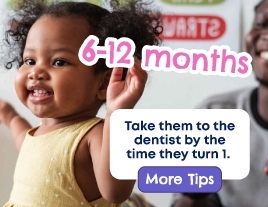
(40,91)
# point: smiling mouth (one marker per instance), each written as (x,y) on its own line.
(40,95)
(40,92)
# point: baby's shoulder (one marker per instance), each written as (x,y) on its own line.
(91,138)
(96,132)
(92,135)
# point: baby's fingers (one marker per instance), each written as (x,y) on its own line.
(138,71)
(1,104)
(266,170)
(116,75)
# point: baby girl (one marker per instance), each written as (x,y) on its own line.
(65,160)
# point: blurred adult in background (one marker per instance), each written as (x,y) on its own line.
(251,191)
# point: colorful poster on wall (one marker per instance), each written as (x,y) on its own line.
(199,24)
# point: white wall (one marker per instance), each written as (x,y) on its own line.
(193,89)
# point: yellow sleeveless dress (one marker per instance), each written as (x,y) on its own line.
(44,174)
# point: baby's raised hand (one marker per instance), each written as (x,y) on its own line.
(125,94)
(7,113)
(266,168)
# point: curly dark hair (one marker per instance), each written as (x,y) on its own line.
(133,20)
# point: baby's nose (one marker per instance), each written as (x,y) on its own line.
(37,74)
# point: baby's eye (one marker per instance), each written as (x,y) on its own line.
(29,61)
(60,63)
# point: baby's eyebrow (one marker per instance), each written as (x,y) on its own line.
(29,50)
(53,50)
(64,50)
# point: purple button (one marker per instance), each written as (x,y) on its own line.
(179,179)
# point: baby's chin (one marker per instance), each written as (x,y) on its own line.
(40,111)
(40,114)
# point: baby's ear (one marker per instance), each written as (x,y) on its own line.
(105,79)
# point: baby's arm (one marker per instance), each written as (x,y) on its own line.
(120,95)
(16,124)
(266,168)
(111,189)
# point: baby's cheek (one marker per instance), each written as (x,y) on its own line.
(21,87)
(66,101)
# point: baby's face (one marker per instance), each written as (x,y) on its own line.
(53,82)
